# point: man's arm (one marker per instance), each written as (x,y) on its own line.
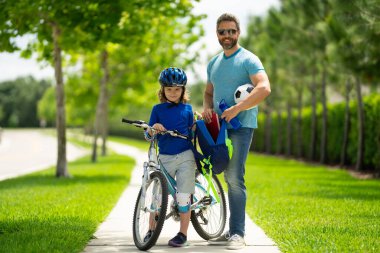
(208,104)
(258,94)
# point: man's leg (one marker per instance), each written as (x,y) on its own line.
(234,176)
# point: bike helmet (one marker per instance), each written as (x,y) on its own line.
(173,77)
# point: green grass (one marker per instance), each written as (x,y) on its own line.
(41,213)
(308,208)
(141,144)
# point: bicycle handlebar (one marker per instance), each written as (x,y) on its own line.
(136,123)
(142,124)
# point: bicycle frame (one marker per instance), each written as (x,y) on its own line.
(155,164)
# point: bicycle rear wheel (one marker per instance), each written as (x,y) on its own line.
(149,214)
(209,217)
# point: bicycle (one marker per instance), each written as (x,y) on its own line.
(208,206)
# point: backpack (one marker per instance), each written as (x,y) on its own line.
(215,154)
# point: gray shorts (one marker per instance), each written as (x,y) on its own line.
(182,168)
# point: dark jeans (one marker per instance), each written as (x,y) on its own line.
(234,176)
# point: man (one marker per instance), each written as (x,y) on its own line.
(226,71)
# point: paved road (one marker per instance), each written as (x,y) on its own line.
(115,233)
(26,151)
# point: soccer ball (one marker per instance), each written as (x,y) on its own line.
(242,92)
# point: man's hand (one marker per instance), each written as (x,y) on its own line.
(207,115)
(230,113)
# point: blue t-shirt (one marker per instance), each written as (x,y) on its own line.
(228,73)
(173,117)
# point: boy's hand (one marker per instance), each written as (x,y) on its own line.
(197,115)
(159,127)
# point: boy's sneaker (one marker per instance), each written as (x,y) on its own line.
(148,235)
(180,240)
(221,240)
(235,242)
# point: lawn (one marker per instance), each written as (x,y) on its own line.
(141,144)
(40,213)
(309,208)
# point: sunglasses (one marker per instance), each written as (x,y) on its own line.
(227,31)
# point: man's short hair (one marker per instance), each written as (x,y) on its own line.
(228,17)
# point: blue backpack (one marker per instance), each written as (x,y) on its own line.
(215,155)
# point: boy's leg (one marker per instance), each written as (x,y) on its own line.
(185,178)
(184,222)
(183,200)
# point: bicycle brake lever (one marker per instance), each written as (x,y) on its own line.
(176,132)
(145,126)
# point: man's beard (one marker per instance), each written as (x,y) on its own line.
(230,45)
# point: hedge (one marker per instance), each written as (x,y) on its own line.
(335,131)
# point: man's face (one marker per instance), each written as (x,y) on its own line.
(228,34)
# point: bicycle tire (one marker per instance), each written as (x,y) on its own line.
(142,219)
(209,222)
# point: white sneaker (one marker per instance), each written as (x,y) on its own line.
(235,242)
(221,240)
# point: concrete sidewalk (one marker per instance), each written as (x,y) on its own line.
(115,233)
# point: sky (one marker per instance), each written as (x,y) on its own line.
(13,66)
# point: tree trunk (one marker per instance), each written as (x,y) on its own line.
(347,125)
(313,137)
(299,124)
(94,156)
(60,103)
(279,133)
(359,161)
(105,93)
(323,158)
(289,130)
(101,108)
(268,130)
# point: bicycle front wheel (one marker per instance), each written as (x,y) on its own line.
(150,212)
(209,216)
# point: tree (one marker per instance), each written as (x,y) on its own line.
(131,21)
(18,101)
(355,29)
(55,25)
(64,26)
(143,18)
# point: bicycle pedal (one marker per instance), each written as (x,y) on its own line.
(206,200)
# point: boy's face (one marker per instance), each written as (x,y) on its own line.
(173,94)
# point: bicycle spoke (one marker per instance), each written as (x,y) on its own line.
(209,215)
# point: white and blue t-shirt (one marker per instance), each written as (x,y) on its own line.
(228,73)
(173,117)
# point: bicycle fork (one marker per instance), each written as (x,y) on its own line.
(154,206)
(144,183)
